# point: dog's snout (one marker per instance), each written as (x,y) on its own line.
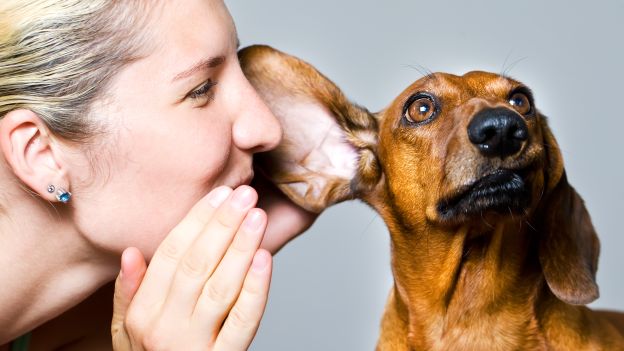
(498,132)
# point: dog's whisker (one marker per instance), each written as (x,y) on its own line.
(485,221)
(369,224)
(541,195)
(530,225)
(424,71)
(503,68)
(511,214)
(512,65)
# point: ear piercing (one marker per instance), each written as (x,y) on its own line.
(62,195)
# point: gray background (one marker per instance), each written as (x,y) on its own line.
(330,284)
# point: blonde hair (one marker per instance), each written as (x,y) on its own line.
(57,57)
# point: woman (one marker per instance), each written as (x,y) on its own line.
(116,119)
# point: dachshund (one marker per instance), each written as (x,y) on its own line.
(492,249)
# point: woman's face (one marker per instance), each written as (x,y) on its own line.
(181,121)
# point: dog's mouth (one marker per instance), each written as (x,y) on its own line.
(504,191)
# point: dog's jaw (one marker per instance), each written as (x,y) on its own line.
(503,191)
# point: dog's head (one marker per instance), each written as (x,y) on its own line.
(448,151)
(468,147)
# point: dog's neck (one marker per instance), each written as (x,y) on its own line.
(453,287)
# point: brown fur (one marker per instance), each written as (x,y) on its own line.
(496,281)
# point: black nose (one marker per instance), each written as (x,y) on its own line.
(498,132)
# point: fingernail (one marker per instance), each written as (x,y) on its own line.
(218,195)
(260,261)
(243,197)
(253,220)
(124,262)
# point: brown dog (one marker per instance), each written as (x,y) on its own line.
(492,249)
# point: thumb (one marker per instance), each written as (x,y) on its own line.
(133,269)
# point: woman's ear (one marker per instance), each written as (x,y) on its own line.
(31,154)
(328,151)
(569,246)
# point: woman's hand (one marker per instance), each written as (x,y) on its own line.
(286,219)
(206,286)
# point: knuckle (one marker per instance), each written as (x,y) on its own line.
(219,295)
(194,266)
(240,249)
(199,215)
(158,338)
(240,319)
(152,341)
(198,218)
(134,322)
(254,291)
(170,251)
(118,329)
(228,220)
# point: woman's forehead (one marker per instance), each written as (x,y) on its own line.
(187,32)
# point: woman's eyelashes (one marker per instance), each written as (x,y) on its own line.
(203,93)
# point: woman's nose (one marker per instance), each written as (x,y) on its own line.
(255,127)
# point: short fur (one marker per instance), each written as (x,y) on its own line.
(488,279)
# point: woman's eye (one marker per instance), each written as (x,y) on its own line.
(521,103)
(203,91)
(420,110)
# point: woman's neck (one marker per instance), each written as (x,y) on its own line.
(48,266)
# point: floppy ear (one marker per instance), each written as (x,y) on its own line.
(569,247)
(328,150)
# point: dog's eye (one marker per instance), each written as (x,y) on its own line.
(420,110)
(521,103)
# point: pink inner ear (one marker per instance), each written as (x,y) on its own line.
(314,151)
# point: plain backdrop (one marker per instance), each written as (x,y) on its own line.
(330,284)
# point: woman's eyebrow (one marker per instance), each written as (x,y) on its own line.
(200,66)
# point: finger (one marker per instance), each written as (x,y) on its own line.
(286,219)
(242,323)
(164,263)
(224,286)
(206,252)
(133,269)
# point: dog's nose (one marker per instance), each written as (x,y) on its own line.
(497,132)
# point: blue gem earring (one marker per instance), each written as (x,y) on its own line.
(61,194)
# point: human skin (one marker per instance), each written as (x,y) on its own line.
(167,142)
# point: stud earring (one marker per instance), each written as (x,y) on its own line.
(62,195)
(51,188)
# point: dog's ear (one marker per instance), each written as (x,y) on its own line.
(328,150)
(569,248)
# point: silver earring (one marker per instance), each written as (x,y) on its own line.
(63,195)
(51,188)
